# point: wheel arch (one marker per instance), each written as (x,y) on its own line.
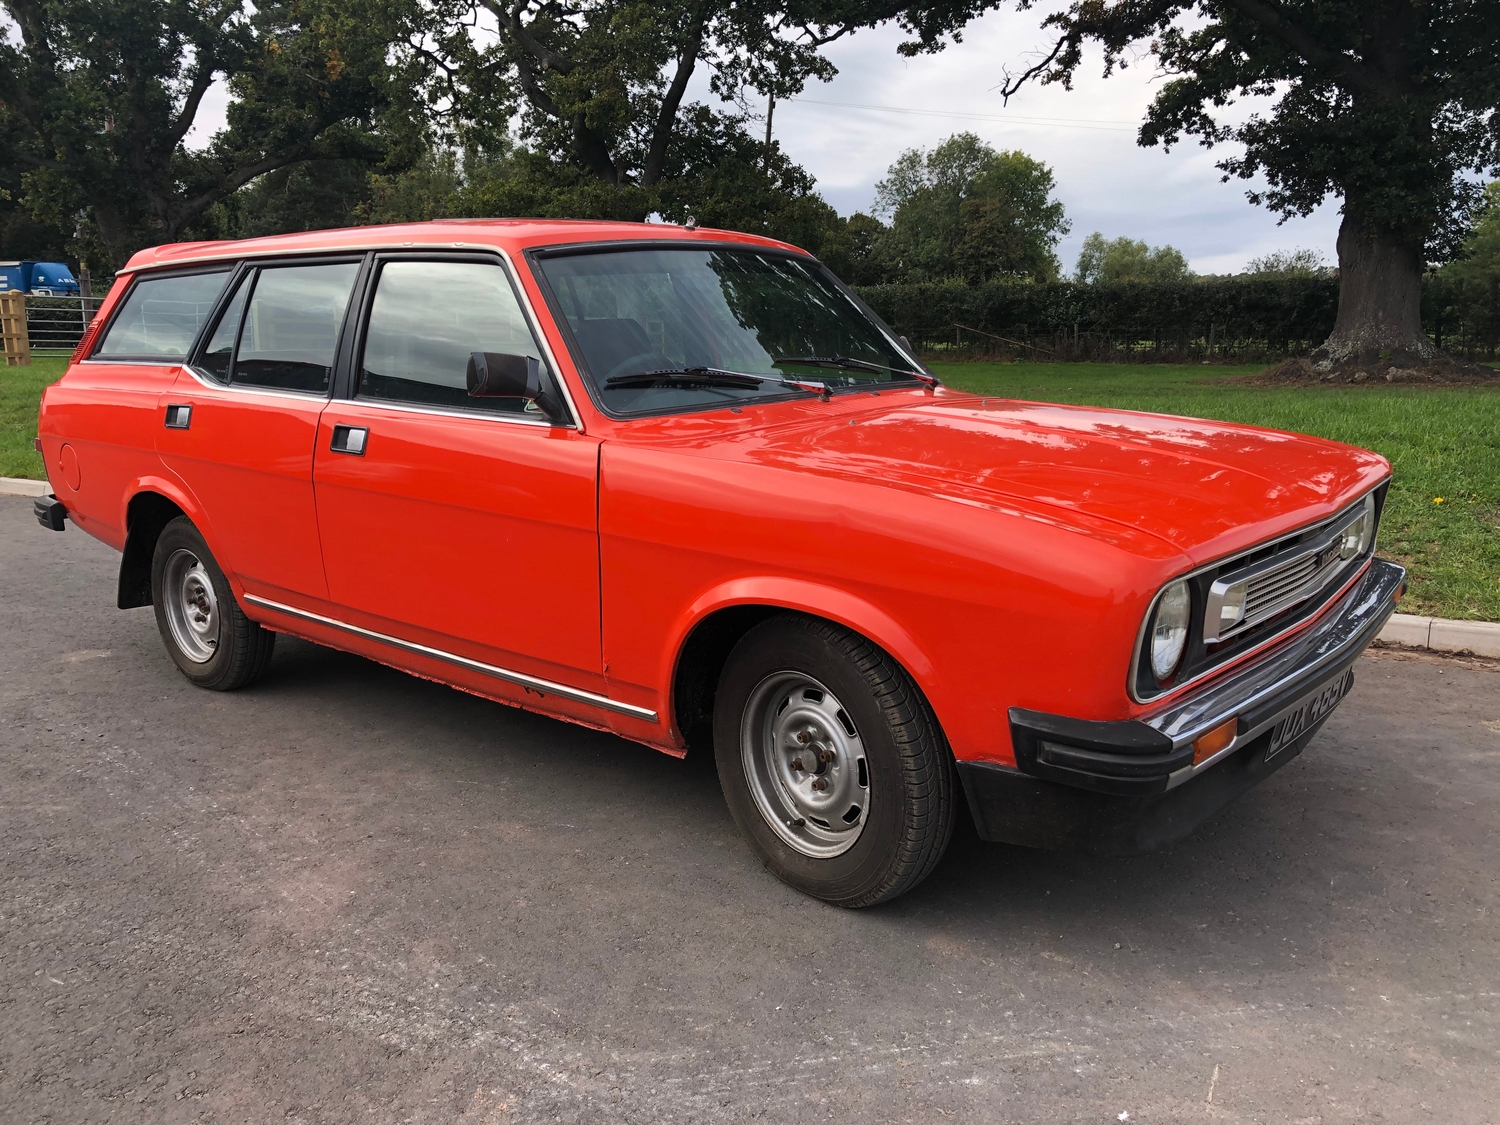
(718,620)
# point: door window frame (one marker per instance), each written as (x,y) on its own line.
(345,386)
(244,268)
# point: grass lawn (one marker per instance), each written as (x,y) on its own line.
(1443,442)
(20,395)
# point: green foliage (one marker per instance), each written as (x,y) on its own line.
(97,98)
(1122,259)
(1463,300)
(1387,103)
(965,210)
(1273,315)
(1288,263)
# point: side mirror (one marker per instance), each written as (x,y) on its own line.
(501,375)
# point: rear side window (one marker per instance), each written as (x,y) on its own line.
(281,327)
(427,318)
(160,316)
(291,324)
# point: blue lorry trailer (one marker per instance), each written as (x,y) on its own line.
(38,279)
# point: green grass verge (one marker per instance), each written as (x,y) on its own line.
(20,395)
(1443,443)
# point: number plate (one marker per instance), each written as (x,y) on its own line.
(1307,713)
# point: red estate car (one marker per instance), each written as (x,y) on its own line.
(685,486)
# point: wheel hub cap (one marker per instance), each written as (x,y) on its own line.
(805,764)
(192,607)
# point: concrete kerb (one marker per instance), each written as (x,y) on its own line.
(1438,634)
(16,486)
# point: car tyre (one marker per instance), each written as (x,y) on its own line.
(832,763)
(207,635)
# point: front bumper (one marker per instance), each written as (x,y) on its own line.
(1121,787)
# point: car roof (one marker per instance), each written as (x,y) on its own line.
(467,234)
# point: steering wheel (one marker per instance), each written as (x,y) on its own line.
(652,365)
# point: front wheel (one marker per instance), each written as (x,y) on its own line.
(831,762)
(207,635)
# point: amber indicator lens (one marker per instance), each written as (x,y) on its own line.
(1205,746)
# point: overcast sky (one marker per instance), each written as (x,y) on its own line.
(1087,136)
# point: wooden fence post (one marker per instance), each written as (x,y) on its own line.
(13,333)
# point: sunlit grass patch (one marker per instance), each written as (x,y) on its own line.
(20,395)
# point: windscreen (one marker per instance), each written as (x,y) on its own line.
(668,329)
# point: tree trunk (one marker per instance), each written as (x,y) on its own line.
(1380,299)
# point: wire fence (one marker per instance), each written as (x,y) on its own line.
(57,324)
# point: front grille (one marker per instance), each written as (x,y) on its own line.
(1283,587)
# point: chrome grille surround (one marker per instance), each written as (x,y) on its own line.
(1286,578)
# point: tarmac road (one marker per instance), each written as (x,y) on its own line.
(349,895)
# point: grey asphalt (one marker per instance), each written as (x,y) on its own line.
(349,895)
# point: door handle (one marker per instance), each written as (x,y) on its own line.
(349,439)
(179,416)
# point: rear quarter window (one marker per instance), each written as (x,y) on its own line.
(160,317)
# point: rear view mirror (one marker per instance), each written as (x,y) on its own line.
(501,375)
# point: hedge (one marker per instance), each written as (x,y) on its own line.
(1204,318)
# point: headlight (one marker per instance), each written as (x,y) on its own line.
(1169,629)
(1358,535)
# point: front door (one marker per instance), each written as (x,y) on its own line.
(239,426)
(463,524)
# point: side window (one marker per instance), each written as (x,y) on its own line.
(217,353)
(426,320)
(160,316)
(291,326)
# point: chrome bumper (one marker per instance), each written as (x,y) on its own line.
(1267,689)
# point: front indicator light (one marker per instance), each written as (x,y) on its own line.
(1205,746)
(1169,629)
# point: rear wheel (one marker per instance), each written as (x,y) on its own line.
(207,635)
(831,761)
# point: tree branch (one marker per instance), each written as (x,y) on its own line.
(1009,87)
(1300,40)
(666,117)
(202,80)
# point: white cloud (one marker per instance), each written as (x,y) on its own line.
(1106,181)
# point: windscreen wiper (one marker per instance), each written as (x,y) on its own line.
(848,363)
(695,376)
(715,377)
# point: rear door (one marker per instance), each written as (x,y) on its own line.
(466,525)
(239,425)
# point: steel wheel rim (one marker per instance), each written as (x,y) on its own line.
(192,606)
(805,764)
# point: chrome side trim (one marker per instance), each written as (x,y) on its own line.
(251,389)
(535,683)
(439,412)
(1341,635)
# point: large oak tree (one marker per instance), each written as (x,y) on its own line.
(97,98)
(1387,104)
